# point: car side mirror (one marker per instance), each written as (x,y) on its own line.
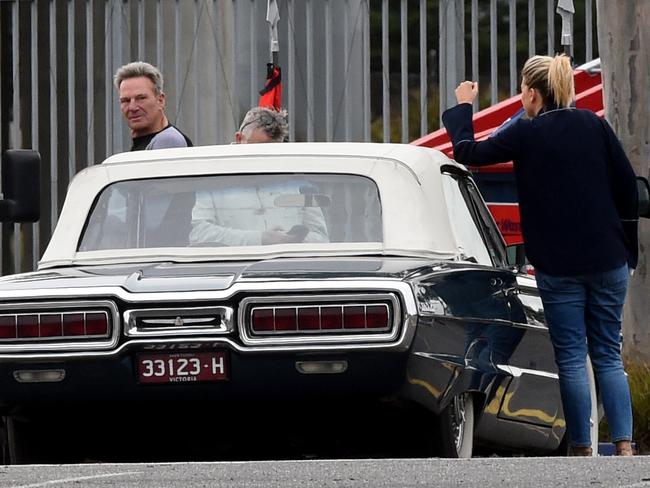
(643,190)
(21,185)
(517,260)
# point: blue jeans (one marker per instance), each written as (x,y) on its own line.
(583,314)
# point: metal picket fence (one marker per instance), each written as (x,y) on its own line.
(353,70)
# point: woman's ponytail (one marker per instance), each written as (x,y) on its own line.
(560,81)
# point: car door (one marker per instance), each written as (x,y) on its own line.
(522,350)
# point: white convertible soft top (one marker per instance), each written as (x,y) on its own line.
(414,211)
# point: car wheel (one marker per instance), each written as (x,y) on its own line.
(4,443)
(15,442)
(456,424)
(20,442)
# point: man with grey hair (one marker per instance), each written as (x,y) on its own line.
(249,214)
(142,102)
(263,124)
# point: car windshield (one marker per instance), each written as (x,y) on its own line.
(234,210)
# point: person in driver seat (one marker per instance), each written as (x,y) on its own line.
(248,214)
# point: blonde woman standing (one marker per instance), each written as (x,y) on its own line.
(578,204)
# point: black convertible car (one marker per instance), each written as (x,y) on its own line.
(272,292)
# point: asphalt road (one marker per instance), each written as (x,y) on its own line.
(395,473)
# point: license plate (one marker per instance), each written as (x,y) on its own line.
(182,367)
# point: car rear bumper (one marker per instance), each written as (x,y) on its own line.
(264,376)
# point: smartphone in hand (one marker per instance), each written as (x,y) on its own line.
(298,232)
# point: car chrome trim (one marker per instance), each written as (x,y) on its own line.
(65,343)
(265,284)
(188,344)
(408,316)
(517,372)
(311,337)
(322,331)
(156,322)
(49,339)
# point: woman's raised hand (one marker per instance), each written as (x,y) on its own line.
(467,91)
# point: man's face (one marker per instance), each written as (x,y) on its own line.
(255,136)
(143,110)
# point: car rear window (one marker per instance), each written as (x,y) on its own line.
(234,210)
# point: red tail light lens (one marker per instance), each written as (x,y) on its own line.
(51,325)
(331,318)
(308,318)
(377,317)
(354,317)
(322,319)
(73,324)
(8,327)
(262,320)
(285,319)
(96,324)
(27,326)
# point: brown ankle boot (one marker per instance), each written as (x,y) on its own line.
(624,448)
(580,451)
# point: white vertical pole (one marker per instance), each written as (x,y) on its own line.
(118,19)
(424,74)
(309,45)
(196,60)
(108,54)
(366,73)
(141,32)
(34,117)
(177,61)
(291,71)
(494,74)
(253,54)
(72,150)
(90,89)
(531,28)
(347,42)
(513,46)
(588,31)
(329,73)
(404,70)
(550,26)
(17,122)
(54,136)
(385,72)
(474,28)
(160,61)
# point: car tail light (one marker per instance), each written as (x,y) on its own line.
(8,327)
(308,318)
(27,326)
(321,319)
(96,324)
(354,317)
(73,324)
(331,318)
(50,326)
(376,317)
(263,319)
(285,319)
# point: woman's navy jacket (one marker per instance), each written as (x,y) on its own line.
(577,190)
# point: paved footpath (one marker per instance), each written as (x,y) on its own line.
(394,473)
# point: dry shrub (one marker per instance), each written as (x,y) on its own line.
(639,377)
